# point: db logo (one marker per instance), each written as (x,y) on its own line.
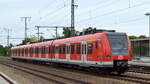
(120,57)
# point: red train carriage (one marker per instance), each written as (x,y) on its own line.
(100,50)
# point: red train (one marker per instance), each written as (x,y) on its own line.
(109,50)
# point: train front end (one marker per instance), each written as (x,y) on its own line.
(119,51)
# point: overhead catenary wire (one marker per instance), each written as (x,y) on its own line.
(49,14)
(126,21)
(100,6)
(114,11)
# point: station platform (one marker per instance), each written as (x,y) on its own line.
(141,62)
(6,80)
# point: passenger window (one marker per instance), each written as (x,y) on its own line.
(37,50)
(19,51)
(68,49)
(96,44)
(64,49)
(56,50)
(49,50)
(90,48)
(60,50)
(43,50)
(72,49)
(22,51)
(46,50)
(27,51)
(78,47)
(53,50)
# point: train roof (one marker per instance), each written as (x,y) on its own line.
(66,40)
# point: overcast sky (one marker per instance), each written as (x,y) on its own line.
(120,15)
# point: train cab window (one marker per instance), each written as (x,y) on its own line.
(90,48)
(78,48)
(72,49)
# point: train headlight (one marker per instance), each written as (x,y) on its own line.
(108,57)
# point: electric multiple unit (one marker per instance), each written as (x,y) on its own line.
(109,50)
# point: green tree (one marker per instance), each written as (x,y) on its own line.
(33,39)
(68,32)
(4,51)
(29,40)
(133,37)
(41,38)
(142,36)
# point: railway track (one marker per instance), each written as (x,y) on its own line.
(140,69)
(45,75)
(8,80)
(111,76)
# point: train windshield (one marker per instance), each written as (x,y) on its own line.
(118,43)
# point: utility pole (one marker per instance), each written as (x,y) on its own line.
(8,37)
(56,32)
(56,29)
(148,14)
(38,32)
(26,28)
(72,15)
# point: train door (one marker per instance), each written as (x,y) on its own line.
(26,55)
(50,52)
(47,52)
(90,51)
(18,52)
(68,52)
(40,52)
(53,51)
(84,51)
(30,52)
(22,52)
(78,51)
(56,52)
(33,52)
(43,55)
(62,52)
(72,52)
(36,52)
